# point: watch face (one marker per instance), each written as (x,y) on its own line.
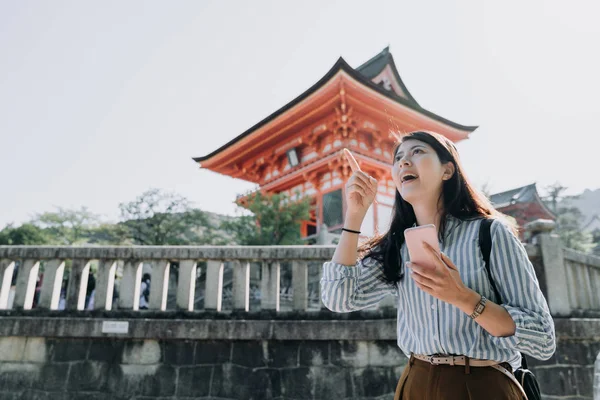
(479,308)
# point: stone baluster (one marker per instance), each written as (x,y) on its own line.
(300,285)
(105,283)
(241,285)
(51,284)
(129,289)
(7,268)
(159,285)
(213,295)
(80,271)
(26,281)
(269,285)
(186,284)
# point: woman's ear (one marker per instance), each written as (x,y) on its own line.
(449,171)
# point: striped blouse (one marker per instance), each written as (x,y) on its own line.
(427,325)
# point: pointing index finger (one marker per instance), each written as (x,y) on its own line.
(351,160)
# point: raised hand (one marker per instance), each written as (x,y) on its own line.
(360,188)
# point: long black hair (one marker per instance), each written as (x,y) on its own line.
(459,198)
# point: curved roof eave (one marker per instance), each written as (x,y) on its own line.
(340,64)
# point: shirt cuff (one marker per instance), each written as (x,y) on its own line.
(522,333)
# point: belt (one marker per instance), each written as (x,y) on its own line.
(455,360)
(473,362)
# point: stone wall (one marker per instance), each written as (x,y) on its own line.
(70,358)
(36,368)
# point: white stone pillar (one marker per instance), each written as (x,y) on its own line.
(213,295)
(300,285)
(26,281)
(7,268)
(551,249)
(269,285)
(105,283)
(241,285)
(186,284)
(51,284)
(159,285)
(78,279)
(129,289)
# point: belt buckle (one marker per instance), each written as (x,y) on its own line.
(431,360)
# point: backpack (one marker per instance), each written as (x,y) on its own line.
(524,375)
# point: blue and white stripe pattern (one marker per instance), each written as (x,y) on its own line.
(427,325)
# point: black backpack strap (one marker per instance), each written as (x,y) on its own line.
(485,244)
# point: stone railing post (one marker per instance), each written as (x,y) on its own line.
(105,285)
(186,285)
(269,285)
(7,268)
(241,285)
(129,290)
(300,285)
(80,270)
(213,293)
(26,281)
(159,285)
(551,249)
(51,284)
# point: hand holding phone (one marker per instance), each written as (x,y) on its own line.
(414,242)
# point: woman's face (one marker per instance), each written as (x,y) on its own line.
(418,172)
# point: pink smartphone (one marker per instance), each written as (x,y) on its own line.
(414,242)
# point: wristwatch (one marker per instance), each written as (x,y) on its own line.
(479,308)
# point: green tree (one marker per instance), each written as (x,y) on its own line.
(26,234)
(159,218)
(65,226)
(275,220)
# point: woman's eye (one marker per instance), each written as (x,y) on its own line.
(415,151)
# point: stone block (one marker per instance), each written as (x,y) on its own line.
(584,377)
(142,380)
(12,348)
(374,381)
(18,376)
(194,381)
(253,354)
(179,352)
(385,354)
(35,350)
(88,376)
(314,353)
(557,381)
(141,352)
(282,353)
(230,381)
(577,353)
(30,394)
(53,378)
(264,384)
(332,382)
(212,352)
(67,349)
(297,383)
(349,354)
(107,350)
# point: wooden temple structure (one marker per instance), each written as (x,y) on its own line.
(298,148)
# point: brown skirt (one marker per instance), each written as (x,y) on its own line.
(424,381)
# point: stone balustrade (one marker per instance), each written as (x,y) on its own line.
(160,259)
(569,280)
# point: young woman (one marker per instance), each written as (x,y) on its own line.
(451,347)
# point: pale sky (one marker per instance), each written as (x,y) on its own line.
(100,101)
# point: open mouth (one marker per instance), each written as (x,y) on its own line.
(409,178)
